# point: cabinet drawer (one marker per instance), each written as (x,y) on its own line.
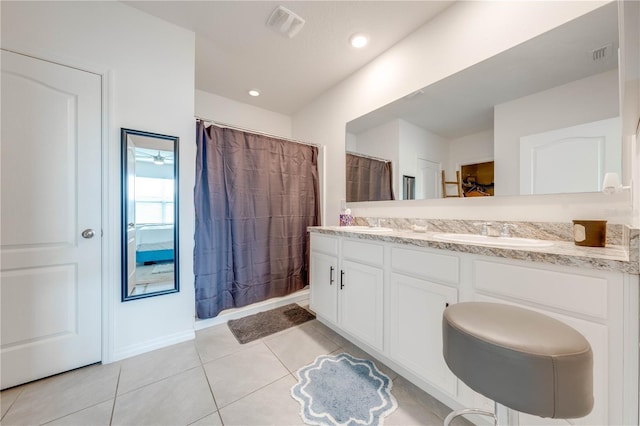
(432,266)
(362,252)
(585,294)
(327,245)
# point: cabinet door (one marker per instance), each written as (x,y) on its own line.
(415,328)
(361,302)
(324,286)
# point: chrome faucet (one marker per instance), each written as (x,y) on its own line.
(374,222)
(490,229)
(506,229)
(485,227)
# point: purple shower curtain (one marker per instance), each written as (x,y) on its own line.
(254,198)
(368,179)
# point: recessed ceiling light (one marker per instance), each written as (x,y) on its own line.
(359,40)
(254,92)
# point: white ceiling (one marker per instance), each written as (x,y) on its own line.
(237,51)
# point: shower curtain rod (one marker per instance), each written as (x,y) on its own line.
(371,157)
(255,132)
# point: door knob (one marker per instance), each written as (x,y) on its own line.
(88,233)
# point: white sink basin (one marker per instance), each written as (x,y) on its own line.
(492,241)
(365,228)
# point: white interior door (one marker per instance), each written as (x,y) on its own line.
(572,159)
(50,193)
(428,180)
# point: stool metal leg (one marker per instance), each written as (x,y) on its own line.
(452,415)
(509,417)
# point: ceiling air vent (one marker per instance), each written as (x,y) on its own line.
(601,53)
(285,22)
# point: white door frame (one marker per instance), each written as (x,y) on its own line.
(110,191)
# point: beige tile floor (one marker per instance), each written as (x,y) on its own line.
(210,381)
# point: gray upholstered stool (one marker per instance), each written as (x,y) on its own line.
(519,358)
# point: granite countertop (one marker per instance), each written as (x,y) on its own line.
(609,258)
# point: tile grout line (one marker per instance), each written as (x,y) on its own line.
(291,373)
(274,354)
(85,408)
(233,351)
(204,371)
(261,387)
(14,401)
(212,395)
(254,391)
(75,412)
(167,377)
(115,396)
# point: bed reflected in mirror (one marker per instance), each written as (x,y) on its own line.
(149,214)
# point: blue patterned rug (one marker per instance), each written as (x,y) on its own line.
(343,390)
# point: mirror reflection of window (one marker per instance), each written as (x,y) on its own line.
(154,200)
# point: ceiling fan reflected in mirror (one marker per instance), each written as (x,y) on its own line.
(158,159)
(154,156)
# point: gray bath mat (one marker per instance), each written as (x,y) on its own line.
(256,326)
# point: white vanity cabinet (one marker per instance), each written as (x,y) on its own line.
(393,296)
(323,279)
(352,290)
(347,290)
(421,285)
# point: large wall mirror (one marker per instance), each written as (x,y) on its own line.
(149,214)
(540,118)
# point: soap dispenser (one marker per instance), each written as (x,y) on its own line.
(345,214)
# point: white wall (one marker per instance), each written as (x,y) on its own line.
(464,34)
(470,149)
(582,101)
(382,142)
(227,111)
(150,75)
(351,142)
(416,142)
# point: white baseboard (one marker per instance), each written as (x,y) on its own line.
(150,345)
(236,313)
